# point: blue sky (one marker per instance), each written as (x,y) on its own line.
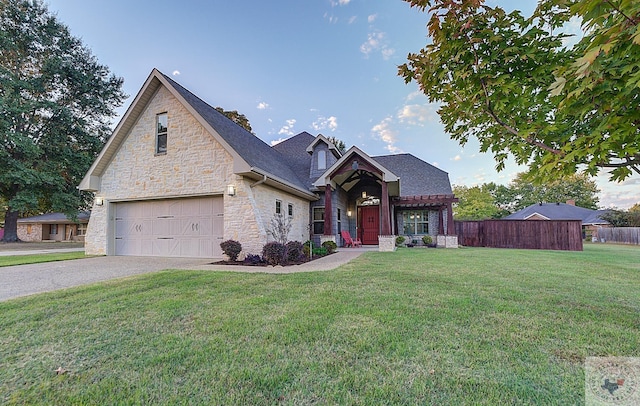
(322,66)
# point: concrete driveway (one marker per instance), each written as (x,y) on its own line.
(22,280)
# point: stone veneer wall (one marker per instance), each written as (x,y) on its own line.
(29,232)
(195,165)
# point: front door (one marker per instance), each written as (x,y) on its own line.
(370,224)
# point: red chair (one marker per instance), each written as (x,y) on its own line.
(350,242)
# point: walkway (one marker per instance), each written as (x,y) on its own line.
(22,280)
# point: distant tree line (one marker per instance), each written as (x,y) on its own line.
(491,200)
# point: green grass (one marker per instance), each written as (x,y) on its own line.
(417,326)
(11,260)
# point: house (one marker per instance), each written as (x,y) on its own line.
(177,177)
(53,227)
(591,220)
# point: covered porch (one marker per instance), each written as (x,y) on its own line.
(363,197)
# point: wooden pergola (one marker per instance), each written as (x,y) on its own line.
(440,201)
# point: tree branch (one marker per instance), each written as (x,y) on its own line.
(529,140)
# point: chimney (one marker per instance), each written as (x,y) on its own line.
(571,202)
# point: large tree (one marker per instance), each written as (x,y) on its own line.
(477,202)
(523,192)
(56,104)
(513,82)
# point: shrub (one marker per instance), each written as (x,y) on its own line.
(330,246)
(295,251)
(231,248)
(319,252)
(275,253)
(306,248)
(253,259)
(426,239)
(399,240)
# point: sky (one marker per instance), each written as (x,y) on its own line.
(323,66)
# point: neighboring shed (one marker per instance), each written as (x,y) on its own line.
(53,227)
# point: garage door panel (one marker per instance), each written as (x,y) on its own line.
(191,227)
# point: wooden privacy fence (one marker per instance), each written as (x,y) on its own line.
(529,234)
(623,235)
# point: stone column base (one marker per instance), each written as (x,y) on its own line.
(386,243)
(324,238)
(447,241)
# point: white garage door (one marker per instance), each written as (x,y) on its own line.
(189,227)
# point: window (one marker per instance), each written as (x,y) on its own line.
(318,220)
(339,220)
(322,160)
(415,222)
(82,229)
(290,210)
(278,207)
(53,229)
(161,133)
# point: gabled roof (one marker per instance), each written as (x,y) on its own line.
(417,177)
(322,138)
(56,218)
(293,152)
(559,211)
(387,175)
(251,156)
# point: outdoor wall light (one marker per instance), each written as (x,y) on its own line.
(364,195)
(231,190)
(348,213)
(99,201)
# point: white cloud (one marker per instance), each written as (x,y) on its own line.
(323,123)
(339,2)
(376,42)
(371,18)
(385,131)
(278,141)
(176,73)
(417,114)
(413,95)
(457,158)
(353,19)
(436,164)
(387,53)
(287,129)
(263,106)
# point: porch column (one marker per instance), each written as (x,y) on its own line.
(327,210)
(385,227)
(440,221)
(451,230)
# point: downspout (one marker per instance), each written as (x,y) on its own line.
(261,181)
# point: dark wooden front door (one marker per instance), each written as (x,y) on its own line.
(370,224)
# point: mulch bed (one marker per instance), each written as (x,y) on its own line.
(265,264)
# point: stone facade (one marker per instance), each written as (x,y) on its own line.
(30,232)
(195,164)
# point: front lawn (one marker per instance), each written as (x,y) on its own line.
(417,326)
(11,260)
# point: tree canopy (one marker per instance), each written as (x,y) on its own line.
(237,118)
(515,84)
(490,200)
(56,104)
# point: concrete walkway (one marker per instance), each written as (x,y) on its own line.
(23,280)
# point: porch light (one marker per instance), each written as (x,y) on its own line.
(99,201)
(231,190)
(364,195)
(348,213)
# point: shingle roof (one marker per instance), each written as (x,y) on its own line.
(251,148)
(560,211)
(294,153)
(417,178)
(83,216)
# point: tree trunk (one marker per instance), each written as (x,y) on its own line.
(10,226)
